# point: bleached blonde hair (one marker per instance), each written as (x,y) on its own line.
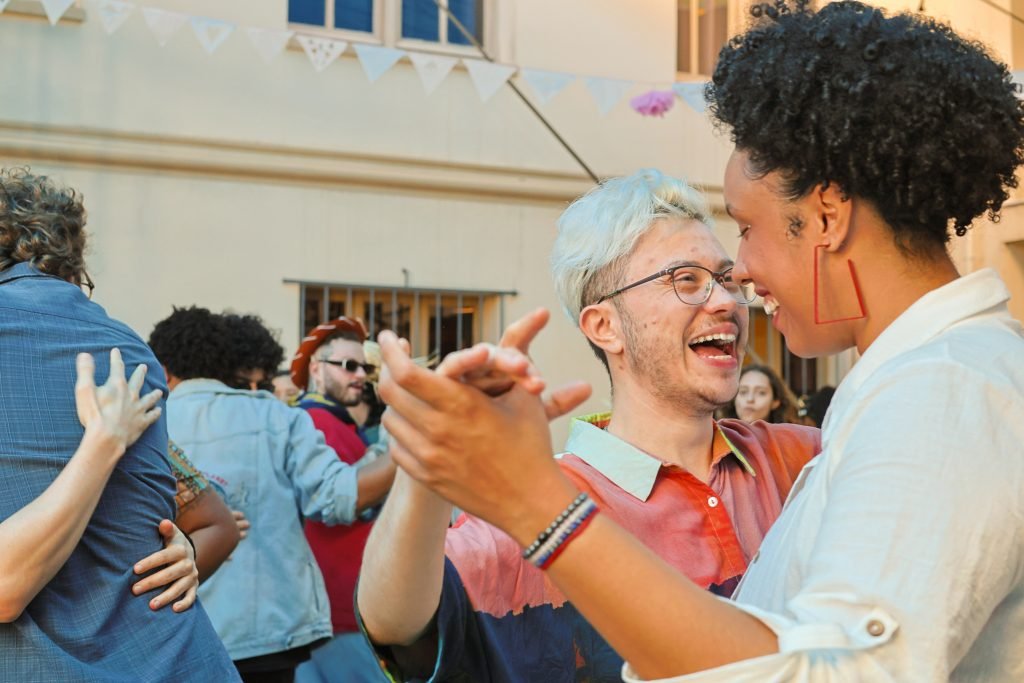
(599,231)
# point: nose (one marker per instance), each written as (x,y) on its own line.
(739,269)
(360,372)
(720,300)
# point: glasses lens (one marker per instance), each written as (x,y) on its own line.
(745,292)
(691,284)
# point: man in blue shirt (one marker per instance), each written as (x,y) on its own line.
(85,624)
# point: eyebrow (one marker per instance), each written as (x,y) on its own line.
(723,265)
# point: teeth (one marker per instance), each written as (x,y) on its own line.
(770,306)
(714,337)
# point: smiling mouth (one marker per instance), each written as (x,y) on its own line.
(715,346)
(770,306)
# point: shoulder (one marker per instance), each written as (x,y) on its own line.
(788,444)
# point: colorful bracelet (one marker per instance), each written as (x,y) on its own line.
(567,526)
(573,533)
(546,534)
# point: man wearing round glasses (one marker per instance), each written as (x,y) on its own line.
(638,268)
(331,359)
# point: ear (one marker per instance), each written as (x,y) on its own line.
(601,325)
(172,381)
(776,403)
(834,211)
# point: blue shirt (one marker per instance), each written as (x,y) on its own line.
(85,624)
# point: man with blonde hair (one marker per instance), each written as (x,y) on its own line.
(637,267)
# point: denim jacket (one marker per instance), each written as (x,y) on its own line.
(270,462)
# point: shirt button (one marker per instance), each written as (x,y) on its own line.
(713,502)
(875,628)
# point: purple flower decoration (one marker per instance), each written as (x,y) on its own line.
(653,103)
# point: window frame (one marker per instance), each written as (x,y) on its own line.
(387,25)
(733,9)
(489,310)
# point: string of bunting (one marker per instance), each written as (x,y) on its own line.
(487,77)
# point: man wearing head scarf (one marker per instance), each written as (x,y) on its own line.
(331,360)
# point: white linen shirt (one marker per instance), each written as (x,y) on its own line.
(899,555)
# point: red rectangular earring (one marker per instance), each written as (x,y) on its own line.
(856,289)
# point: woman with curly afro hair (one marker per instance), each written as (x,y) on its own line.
(862,141)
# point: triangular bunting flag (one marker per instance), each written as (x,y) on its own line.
(3,4)
(162,23)
(693,95)
(211,32)
(546,84)
(487,77)
(321,51)
(55,9)
(432,68)
(269,42)
(377,60)
(113,13)
(607,92)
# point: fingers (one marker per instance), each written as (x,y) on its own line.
(402,379)
(458,363)
(150,400)
(85,387)
(565,399)
(491,369)
(180,588)
(404,436)
(241,522)
(189,599)
(116,366)
(171,554)
(137,379)
(167,529)
(521,333)
(86,368)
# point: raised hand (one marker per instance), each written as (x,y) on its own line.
(114,414)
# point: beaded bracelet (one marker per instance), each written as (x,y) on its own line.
(574,519)
(544,563)
(546,534)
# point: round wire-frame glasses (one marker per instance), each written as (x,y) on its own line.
(693,284)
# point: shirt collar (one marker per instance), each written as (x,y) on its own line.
(927,317)
(628,467)
(20,270)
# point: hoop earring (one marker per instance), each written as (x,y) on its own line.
(856,289)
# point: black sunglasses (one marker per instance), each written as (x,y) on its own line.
(350,365)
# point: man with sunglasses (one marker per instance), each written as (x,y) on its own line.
(332,360)
(639,270)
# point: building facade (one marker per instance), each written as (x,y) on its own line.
(227,181)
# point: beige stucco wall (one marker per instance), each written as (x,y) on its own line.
(211,179)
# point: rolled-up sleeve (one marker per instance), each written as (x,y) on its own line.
(326,488)
(895,575)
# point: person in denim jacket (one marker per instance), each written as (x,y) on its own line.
(268,603)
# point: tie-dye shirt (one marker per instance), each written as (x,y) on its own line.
(502,620)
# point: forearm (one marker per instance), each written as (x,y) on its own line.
(37,540)
(656,618)
(403,564)
(213,530)
(374,481)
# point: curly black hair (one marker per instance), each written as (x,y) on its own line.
(195,343)
(41,223)
(253,346)
(900,111)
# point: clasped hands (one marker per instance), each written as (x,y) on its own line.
(475,430)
